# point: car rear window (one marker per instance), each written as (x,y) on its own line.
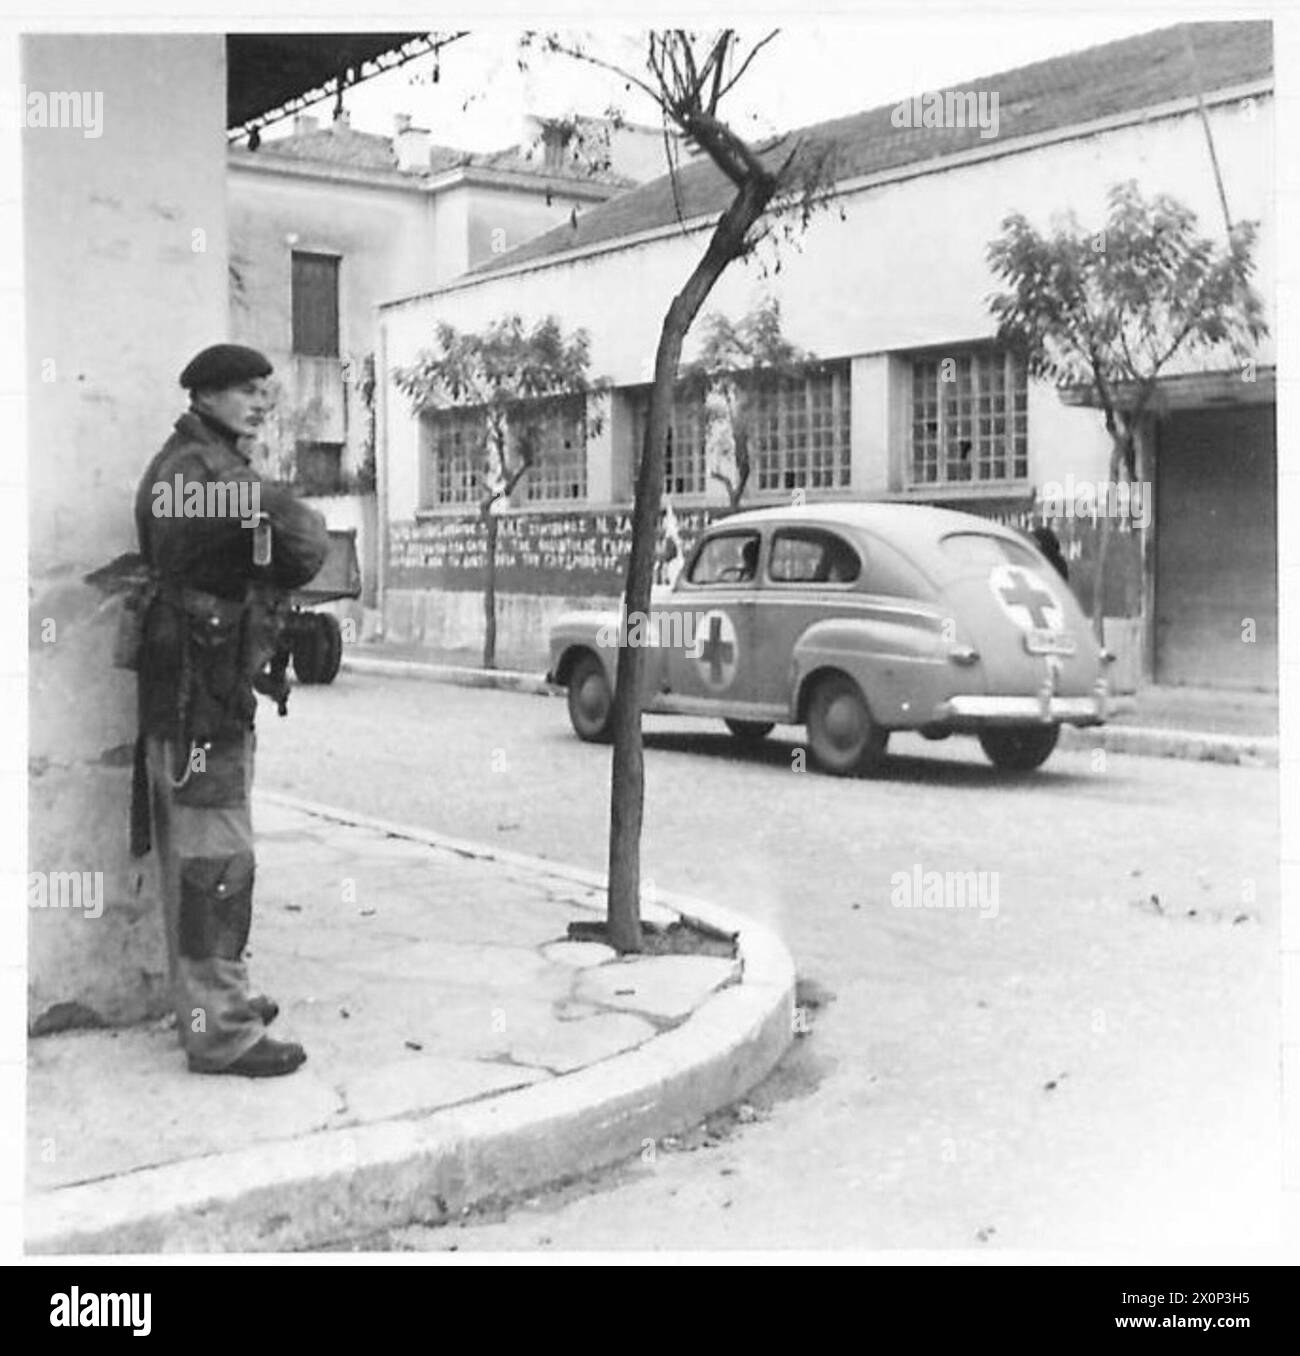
(807,556)
(978,549)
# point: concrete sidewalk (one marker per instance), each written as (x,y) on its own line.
(1200,724)
(459,1050)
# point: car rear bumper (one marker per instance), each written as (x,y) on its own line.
(977,709)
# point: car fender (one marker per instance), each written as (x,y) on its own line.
(599,633)
(899,657)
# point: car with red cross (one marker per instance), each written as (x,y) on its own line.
(854,620)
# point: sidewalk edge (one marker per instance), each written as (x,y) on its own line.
(316,1189)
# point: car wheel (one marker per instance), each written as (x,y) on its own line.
(750,729)
(841,734)
(317,648)
(331,646)
(1019,748)
(591,700)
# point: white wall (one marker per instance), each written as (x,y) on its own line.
(118,298)
(125,256)
(386,242)
(906,269)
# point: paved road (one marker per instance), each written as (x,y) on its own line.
(1086,1057)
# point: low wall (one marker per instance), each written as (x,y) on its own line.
(450,620)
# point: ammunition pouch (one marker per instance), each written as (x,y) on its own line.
(216,690)
(129,640)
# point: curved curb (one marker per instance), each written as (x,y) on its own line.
(315,1189)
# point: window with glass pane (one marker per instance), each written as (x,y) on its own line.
(454,449)
(559,432)
(969,418)
(800,431)
(810,556)
(684,454)
(729,559)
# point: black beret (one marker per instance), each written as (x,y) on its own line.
(223,365)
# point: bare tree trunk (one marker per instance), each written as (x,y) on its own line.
(627,775)
(490,589)
(1144,454)
(1118,457)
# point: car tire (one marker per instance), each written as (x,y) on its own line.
(317,648)
(591,700)
(842,736)
(1019,748)
(750,729)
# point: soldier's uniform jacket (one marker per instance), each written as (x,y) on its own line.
(214,620)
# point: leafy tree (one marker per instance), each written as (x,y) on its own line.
(735,359)
(1113,310)
(775,186)
(502,373)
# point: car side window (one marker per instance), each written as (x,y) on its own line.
(808,556)
(731,558)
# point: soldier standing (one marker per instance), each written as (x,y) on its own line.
(209,628)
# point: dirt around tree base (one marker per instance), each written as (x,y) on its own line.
(677,939)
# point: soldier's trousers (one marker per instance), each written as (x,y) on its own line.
(203,839)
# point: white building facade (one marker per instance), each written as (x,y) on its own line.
(885,285)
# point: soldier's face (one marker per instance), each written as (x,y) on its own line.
(240,408)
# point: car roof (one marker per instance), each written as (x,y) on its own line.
(915,529)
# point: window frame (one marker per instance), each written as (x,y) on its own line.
(807,532)
(751,533)
(992,388)
(461,477)
(300,311)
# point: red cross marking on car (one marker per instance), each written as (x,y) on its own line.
(717,653)
(1023,594)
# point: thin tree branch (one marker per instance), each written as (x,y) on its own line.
(755,50)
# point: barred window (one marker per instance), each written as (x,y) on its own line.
(799,431)
(558,432)
(456,453)
(798,434)
(685,471)
(454,457)
(969,418)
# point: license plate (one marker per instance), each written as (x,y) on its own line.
(1040,640)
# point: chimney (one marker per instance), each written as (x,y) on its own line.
(411,144)
(304,123)
(555,144)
